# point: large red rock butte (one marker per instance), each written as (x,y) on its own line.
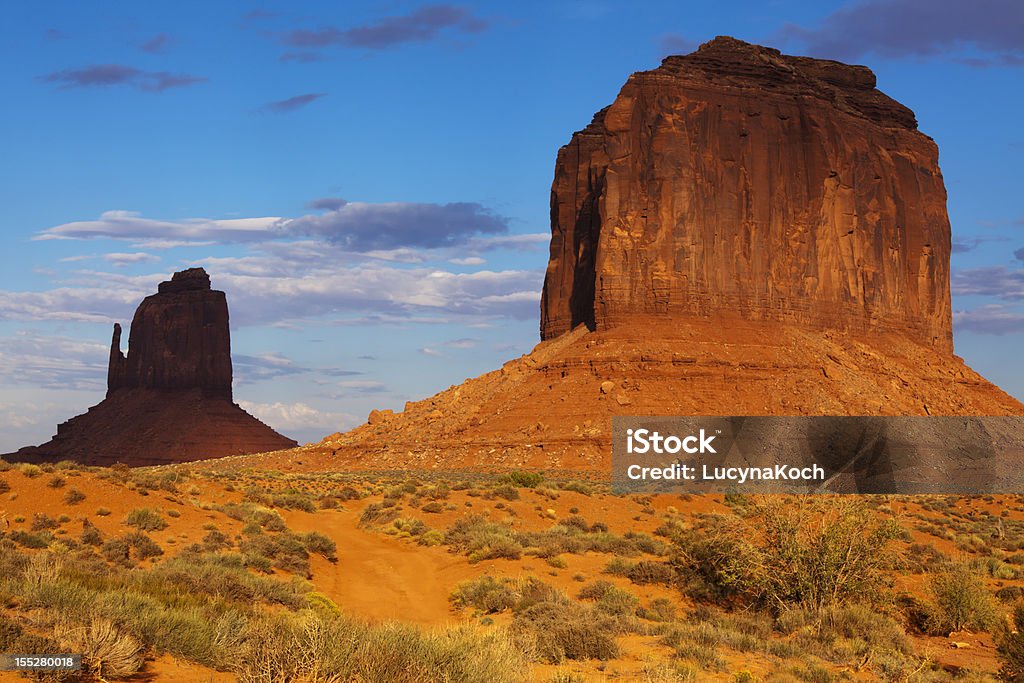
(740,232)
(169,400)
(743,181)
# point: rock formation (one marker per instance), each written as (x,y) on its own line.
(737,179)
(743,233)
(179,340)
(169,399)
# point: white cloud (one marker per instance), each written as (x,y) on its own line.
(130,225)
(365,386)
(120,260)
(299,416)
(996,319)
(52,362)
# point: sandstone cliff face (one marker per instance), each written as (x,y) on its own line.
(169,400)
(179,339)
(739,179)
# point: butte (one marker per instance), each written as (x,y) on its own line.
(170,399)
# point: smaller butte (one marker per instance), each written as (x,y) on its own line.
(169,399)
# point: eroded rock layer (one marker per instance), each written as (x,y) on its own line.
(737,179)
(169,400)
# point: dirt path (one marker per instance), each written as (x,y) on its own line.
(381,578)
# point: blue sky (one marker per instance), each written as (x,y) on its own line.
(369,182)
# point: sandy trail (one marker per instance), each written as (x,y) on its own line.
(381,578)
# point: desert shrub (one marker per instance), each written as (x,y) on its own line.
(328,502)
(659,609)
(595,590)
(1009,646)
(27,539)
(431,538)
(379,513)
(507,491)
(960,600)
(433,507)
(130,549)
(576,487)
(56,482)
(252,514)
(489,595)
(1010,594)
(574,536)
(293,501)
(646,571)
(4,486)
(145,519)
(923,557)
(313,646)
(486,594)
(700,643)
(262,552)
(567,677)
(320,544)
(102,512)
(346,493)
(215,540)
(42,522)
(107,650)
(526,480)
(618,566)
(286,551)
(73,497)
(10,631)
(410,526)
(29,470)
(556,561)
(90,534)
(812,554)
(618,602)
(556,632)
(481,539)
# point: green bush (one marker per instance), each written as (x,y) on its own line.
(29,540)
(130,549)
(960,600)
(489,595)
(556,632)
(526,480)
(42,522)
(314,646)
(145,519)
(90,534)
(812,554)
(481,539)
(507,492)
(321,545)
(1009,646)
(73,497)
